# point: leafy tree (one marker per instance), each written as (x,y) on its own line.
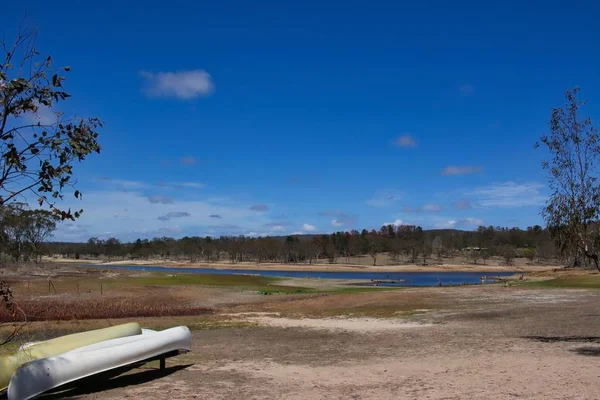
(112,247)
(473,255)
(24,231)
(508,253)
(373,247)
(437,247)
(573,209)
(38,145)
(529,254)
(485,255)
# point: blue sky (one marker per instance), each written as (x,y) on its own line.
(277,117)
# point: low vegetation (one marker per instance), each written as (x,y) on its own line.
(64,309)
(566,282)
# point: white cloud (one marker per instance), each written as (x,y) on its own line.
(337,223)
(384,198)
(277,228)
(160,199)
(397,222)
(456,170)
(185,85)
(309,228)
(449,224)
(471,221)
(406,140)
(509,194)
(142,216)
(461,223)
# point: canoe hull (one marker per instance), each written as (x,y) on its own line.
(53,347)
(42,375)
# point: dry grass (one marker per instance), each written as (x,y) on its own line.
(61,309)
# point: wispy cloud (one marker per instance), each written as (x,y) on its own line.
(174,214)
(158,199)
(509,194)
(384,198)
(309,228)
(125,184)
(185,85)
(431,207)
(188,160)
(461,223)
(406,140)
(276,223)
(101,205)
(341,218)
(466,89)
(464,170)
(138,185)
(463,205)
(332,214)
(259,207)
(178,214)
(191,185)
(425,208)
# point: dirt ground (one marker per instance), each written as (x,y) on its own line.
(488,342)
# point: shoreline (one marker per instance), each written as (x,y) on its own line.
(311,268)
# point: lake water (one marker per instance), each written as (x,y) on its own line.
(398,278)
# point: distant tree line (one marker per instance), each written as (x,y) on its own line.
(405,243)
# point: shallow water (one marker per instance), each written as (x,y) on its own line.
(396,278)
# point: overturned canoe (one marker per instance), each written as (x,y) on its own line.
(45,374)
(59,345)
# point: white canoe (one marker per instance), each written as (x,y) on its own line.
(42,375)
(60,345)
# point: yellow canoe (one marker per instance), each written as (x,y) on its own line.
(59,345)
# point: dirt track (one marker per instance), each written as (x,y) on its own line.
(472,343)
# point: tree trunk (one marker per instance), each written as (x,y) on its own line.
(595,258)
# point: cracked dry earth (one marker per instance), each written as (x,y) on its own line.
(484,343)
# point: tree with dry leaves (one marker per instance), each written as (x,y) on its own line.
(39,146)
(573,210)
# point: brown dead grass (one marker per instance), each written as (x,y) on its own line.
(62,309)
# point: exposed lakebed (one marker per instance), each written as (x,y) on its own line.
(363,278)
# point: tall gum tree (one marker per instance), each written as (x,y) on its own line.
(38,146)
(573,210)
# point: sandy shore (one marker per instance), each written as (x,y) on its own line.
(485,343)
(317,267)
